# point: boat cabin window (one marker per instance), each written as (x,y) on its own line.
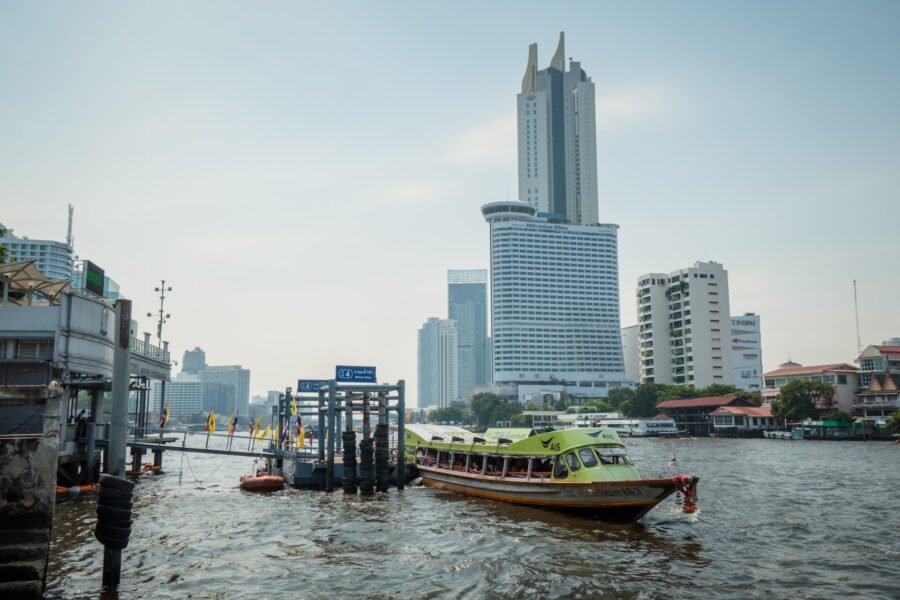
(613,456)
(573,461)
(541,467)
(559,468)
(475,463)
(518,467)
(494,466)
(587,457)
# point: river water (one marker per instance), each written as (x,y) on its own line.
(777,519)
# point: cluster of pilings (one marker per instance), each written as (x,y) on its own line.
(372,472)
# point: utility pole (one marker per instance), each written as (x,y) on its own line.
(163,315)
(163,319)
(856,312)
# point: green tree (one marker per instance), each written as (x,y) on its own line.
(797,400)
(451,414)
(839,415)
(482,407)
(597,405)
(675,392)
(643,405)
(3,251)
(718,389)
(894,421)
(504,411)
(619,395)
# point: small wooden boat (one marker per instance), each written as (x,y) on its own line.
(262,483)
(580,470)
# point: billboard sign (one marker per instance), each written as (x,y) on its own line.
(310,385)
(347,374)
(93,278)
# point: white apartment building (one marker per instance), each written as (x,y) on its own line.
(184,395)
(438,384)
(557,139)
(554,303)
(684,324)
(53,259)
(746,353)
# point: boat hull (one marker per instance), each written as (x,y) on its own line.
(616,501)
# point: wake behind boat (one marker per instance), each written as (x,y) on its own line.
(580,470)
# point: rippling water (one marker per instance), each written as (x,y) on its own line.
(778,519)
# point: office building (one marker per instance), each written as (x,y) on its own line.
(631,353)
(53,259)
(219,397)
(184,396)
(194,361)
(554,303)
(234,376)
(746,353)
(438,384)
(557,139)
(684,324)
(467,305)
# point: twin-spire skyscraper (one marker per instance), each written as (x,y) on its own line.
(558,139)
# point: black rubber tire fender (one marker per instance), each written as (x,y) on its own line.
(116,483)
(115,494)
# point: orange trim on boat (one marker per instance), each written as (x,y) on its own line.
(515,500)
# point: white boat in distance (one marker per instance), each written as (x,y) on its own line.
(640,427)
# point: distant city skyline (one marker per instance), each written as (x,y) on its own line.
(305,224)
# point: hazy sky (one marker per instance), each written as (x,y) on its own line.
(305,173)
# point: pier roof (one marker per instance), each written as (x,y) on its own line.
(810,370)
(749,411)
(701,402)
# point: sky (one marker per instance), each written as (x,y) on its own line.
(303,174)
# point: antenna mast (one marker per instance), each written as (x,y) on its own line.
(856,312)
(70,241)
(163,315)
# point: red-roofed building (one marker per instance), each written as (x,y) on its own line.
(693,414)
(879,382)
(842,376)
(742,420)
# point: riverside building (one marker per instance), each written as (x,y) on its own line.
(557,139)
(746,353)
(438,384)
(554,303)
(684,326)
(53,259)
(467,305)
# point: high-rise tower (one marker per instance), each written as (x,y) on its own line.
(558,139)
(554,303)
(467,305)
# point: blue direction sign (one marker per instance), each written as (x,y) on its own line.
(354,374)
(310,385)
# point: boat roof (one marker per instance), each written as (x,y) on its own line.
(515,434)
(542,444)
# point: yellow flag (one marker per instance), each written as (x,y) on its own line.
(231,424)
(301,440)
(211,421)
(294,407)
(256,429)
(264,434)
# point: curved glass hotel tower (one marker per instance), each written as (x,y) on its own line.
(554,303)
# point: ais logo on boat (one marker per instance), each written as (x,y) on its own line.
(547,444)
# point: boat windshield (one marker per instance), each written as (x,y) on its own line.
(613,456)
(587,457)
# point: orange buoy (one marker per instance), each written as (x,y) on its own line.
(262,483)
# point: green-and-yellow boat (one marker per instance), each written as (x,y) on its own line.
(579,470)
